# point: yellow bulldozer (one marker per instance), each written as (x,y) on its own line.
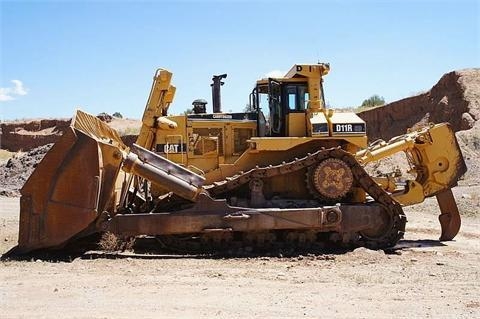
(219,180)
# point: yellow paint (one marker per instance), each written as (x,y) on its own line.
(296,124)
(222,147)
(433,154)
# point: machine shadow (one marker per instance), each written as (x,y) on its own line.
(418,243)
(147,249)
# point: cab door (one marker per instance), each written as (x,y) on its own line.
(295,99)
(277,113)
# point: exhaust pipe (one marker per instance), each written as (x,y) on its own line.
(216,96)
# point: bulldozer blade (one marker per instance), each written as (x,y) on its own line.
(71,186)
(450,217)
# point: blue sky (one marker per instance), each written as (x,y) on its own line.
(101,55)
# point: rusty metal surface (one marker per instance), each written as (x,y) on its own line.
(332,178)
(379,224)
(52,212)
(385,236)
(70,187)
(449,218)
(209,214)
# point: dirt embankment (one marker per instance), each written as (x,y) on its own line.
(30,141)
(23,136)
(455,99)
(16,170)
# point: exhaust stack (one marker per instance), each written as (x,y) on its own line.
(216,96)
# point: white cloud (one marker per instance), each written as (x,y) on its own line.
(19,89)
(10,93)
(275,74)
(4,95)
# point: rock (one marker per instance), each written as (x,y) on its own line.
(363,250)
(467,121)
(105,117)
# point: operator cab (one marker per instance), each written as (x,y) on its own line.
(288,99)
(284,101)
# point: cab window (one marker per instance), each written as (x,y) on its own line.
(296,97)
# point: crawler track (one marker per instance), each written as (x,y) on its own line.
(395,219)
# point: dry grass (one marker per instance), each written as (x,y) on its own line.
(111,242)
(5,155)
(126,126)
(129,131)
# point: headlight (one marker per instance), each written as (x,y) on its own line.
(359,128)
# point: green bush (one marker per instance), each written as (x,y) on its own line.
(374,100)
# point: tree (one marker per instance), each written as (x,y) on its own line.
(118,115)
(188,111)
(248,108)
(372,101)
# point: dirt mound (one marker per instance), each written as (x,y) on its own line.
(15,171)
(36,138)
(23,136)
(455,99)
(469,142)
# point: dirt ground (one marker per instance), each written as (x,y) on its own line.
(421,278)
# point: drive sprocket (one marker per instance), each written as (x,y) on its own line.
(331,179)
